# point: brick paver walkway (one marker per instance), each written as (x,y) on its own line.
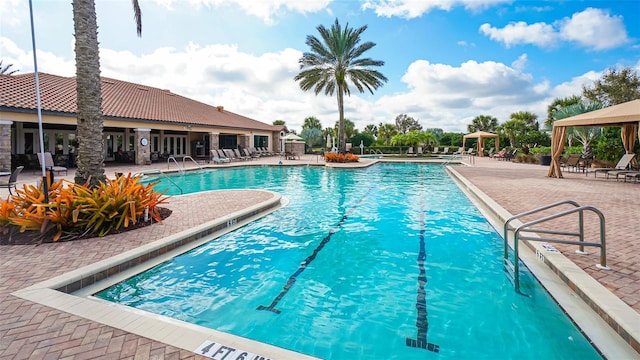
(29,330)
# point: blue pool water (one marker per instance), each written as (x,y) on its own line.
(361,263)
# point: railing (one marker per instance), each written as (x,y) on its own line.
(175,162)
(375,152)
(158,171)
(513,269)
(190,158)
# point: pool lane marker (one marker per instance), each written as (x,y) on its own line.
(422,321)
(292,279)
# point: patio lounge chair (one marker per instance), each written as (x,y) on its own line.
(215,157)
(623,164)
(13,180)
(49,164)
(435,151)
(239,155)
(459,152)
(250,155)
(572,161)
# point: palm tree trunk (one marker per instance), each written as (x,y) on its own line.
(342,136)
(89,96)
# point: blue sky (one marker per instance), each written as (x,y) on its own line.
(447,61)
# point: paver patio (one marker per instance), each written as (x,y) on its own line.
(29,330)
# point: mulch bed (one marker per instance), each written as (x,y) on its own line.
(16,237)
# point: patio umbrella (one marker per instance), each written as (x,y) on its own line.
(292,136)
(329,143)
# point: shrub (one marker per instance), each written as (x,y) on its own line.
(77,210)
(340,158)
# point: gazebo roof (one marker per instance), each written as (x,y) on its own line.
(609,116)
(479,134)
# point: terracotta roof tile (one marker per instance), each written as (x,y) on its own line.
(120,100)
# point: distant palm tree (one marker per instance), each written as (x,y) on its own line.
(89,94)
(4,70)
(483,123)
(386,132)
(334,62)
(511,129)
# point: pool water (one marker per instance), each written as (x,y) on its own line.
(387,262)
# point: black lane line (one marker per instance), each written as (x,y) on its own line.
(422,321)
(292,279)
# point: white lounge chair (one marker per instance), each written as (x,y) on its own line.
(623,164)
(215,157)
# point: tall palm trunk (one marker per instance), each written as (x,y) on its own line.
(89,96)
(341,131)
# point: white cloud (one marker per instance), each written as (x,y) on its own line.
(13,13)
(591,28)
(262,9)
(412,9)
(520,63)
(594,28)
(22,60)
(540,34)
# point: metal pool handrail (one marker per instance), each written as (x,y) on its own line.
(158,171)
(526,227)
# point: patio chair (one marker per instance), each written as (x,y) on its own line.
(239,155)
(49,164)
(623,164)
(250,155)
(13,180)
(435,151)
(460,151)
(215,157)
(572,161)
(445,151)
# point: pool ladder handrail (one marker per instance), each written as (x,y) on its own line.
(169,159)
(514,269)
(376,152)
(451,158)
(158,171)
(190,158)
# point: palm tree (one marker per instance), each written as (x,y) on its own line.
(89,95)
(312,122)
(585,134)
(483,123)
(530,119)
(511,129)
(5,70)
(558,104)
(386,132)
(334,62)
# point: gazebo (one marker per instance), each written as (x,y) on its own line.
(481,135)
(625,115)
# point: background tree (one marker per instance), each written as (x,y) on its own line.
(335,62)
(349,128)
(437,132)
(281,123)
(312,136)
(614,87)
(483,123)
(6,69)
(511,129)
(90,160)
(584,134)
(367,139)
(557,104)
(451,139)
(530,120)
(312,122)
(386,132)
(405,123)
(372,130)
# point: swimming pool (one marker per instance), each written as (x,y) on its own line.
(366,263)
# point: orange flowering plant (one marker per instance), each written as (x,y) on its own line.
(339,158)
(77,210)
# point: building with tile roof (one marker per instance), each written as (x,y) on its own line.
(141,123)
